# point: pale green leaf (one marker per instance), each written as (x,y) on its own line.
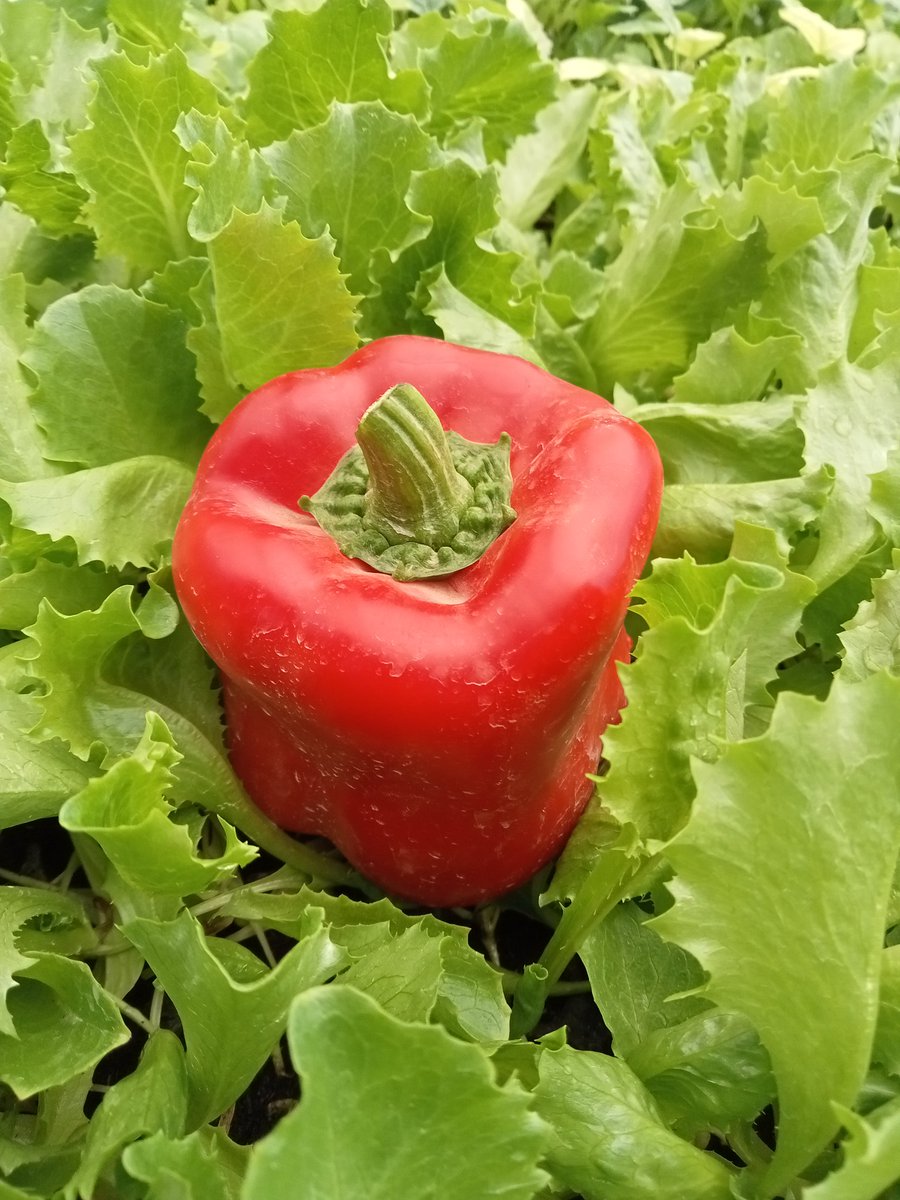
(572,288)
(630,183)
(717,443)
(486,70)
(462,320)
(762,816)
(878,300)
(609,1141)
(114,380)
(851,420)
(67,587)
(351,174)
(205,1165)
(871,1158)
(127,813)
(26,33)
(694,44)
(173,286)
(815,291)
(224,44)
(21,443)
(540,163)
(64,1021)
(130,160)
(225,172)
(230,1027)
(718,633)
(156,25)
(146,493)
(885,503)
(59,100)
(732,367)
(668,289)
(27,914)
(50,196)
(402,974)
(336,52)
(8,114)
(469,998)
(170,666)
(101,685)
(706,1073)
(35,779)
(68,654)
(413,1086)
(151,1100)
(598,836)
(826,117)
(886,1050)
(700,519)
(826,39)
(461,204)
(789,207)
(871,640)
(560,352)
(624,948)
(281,301)
(219,389)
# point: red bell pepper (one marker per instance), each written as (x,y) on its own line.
(438,729)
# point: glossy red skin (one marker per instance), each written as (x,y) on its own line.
(439,732)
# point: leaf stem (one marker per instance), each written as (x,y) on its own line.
(586,910)
(573,987)
(28,881)
(259,887)
(617,875)
(748,1145)
(134,1015)
(246,817)
(156,1006)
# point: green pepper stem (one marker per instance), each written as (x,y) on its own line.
(410,499)
(415,493)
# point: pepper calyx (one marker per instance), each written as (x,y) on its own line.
(412,499)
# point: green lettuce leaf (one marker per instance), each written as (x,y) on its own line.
(130,160)
(114,380)
(482,70)
(335,52)
(461,991)
(258,259)
(147,492)
(886,1050)
(668,289)
(757,822)
(64,1024)
(351,174)
(230,1025)
(31,181)
(151,1100)
(35,779)
(206,1165)
(699,670)
(871,640)
(609,1141)
(871,1157)
(450,1103)
(21,444)
(126,812)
